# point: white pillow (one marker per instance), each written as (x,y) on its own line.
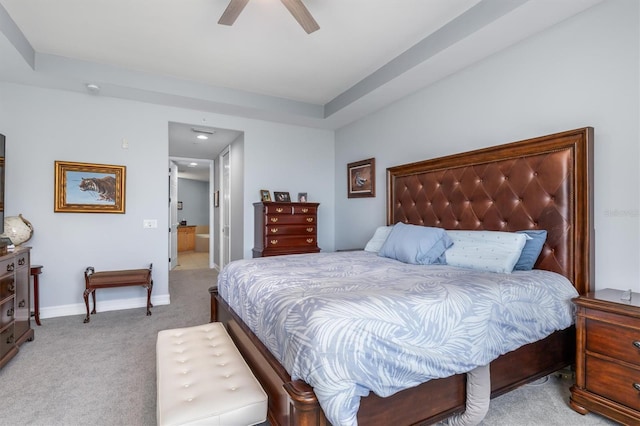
(493,251)
(378,239)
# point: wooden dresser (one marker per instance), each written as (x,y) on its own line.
(186,238)
(608,356)
(15,311)
(285,228)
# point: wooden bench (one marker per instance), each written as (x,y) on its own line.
(109,279)
(202,379)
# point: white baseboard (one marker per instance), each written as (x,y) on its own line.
(103,306)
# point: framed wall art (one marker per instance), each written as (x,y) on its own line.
(89,188)
(302,197)
(361,178)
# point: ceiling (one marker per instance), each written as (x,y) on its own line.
(190,153)
(366,55)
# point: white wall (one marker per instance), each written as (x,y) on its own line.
(583,72)
(44,125)
(292,160)
(194,195)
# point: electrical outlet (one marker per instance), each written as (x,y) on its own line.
(150,223)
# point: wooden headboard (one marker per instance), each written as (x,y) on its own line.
(540,183)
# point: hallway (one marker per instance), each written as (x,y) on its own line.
(192,260)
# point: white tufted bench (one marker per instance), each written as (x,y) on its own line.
(203,380)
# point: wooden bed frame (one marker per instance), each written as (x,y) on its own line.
(540,183)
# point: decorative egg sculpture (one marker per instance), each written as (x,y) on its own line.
(18,229)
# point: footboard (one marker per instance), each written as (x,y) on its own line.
(290,402)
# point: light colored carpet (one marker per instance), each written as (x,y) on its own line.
(103,373)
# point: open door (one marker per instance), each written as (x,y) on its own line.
(225,208)
(173,215)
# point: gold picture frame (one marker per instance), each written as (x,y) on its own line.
(265,195)
(361,178)
(89,188)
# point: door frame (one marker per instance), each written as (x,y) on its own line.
(210,196)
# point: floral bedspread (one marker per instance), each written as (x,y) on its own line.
(350,323)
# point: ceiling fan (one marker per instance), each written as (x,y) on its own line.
(297,9)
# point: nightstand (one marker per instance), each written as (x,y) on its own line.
(608,356)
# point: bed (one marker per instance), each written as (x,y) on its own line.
(541,183)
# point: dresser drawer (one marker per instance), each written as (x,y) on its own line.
(290,241)
(7,286)
(613,381)
(308,230)
(6,311)
(8,265)
(278,209)
(289,219)
(21,260)
(6,341)
(613,340)
(304,210)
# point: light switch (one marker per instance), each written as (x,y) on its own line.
(150,223)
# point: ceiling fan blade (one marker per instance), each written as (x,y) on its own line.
(302,15)
(232,11)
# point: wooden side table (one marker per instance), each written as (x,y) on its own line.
(36,270)
(608,356)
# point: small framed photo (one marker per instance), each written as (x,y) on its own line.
(265,195)
(179,205)
(89,188)
(283,197)
(302,197)
(361,178)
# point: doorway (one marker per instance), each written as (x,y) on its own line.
(192,215)
(203,145)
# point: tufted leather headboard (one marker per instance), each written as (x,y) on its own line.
(540,183)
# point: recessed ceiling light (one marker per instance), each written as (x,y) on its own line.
(202,137)
(93,88)
(193,164)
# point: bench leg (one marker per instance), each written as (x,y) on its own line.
(149,305)
(86,302)
(93,296)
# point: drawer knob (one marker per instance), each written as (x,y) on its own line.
(11,267)
(636,386)
(636,343)
(279,209)
(309,240)
(274,230)
(309,219)
(309,229)
(274,219)
(274,242)
(305,210)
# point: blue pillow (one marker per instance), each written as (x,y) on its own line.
(418,245)
(532,248)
